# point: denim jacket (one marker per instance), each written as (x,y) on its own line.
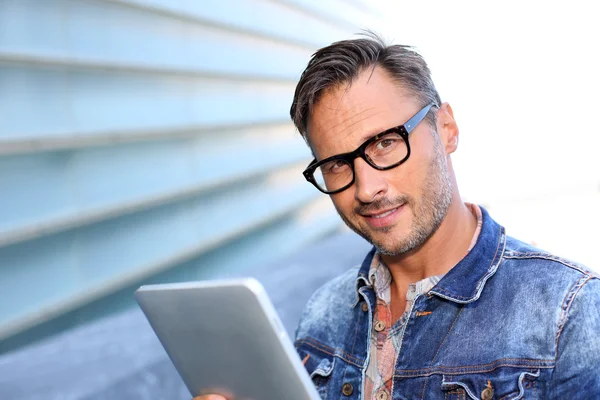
(507,322)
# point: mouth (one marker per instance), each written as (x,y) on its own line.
(383,214)
(384,218)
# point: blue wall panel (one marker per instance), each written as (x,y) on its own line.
(80,102)
(146,141)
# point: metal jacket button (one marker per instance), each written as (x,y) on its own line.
(347,389)
(379,326)
(365,307)
(488,392)
(381,395)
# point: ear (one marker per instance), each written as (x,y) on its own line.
(447,128)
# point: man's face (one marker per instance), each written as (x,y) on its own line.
(399,209)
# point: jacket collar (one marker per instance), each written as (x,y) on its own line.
(465,281)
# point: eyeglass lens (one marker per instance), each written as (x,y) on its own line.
(384,152)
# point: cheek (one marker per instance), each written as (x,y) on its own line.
(409,177)
(404,180)
(344,202)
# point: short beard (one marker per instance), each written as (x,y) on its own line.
(429,211)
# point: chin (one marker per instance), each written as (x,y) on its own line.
(394,251)
(387,247)
(398,243)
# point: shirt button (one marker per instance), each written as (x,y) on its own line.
(379,326)
(487,393)
(365,307)
(347,389)
(382,395)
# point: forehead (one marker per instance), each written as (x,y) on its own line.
(347,115)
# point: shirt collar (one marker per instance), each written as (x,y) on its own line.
(465,281)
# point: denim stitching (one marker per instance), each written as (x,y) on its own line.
(521,393)
(447,333)
(325,375)
(464,388)
(441,344)
(458,392)
(508,396)
(412,306)
(330,351)
(424,388)
(327,385)
(505,362)
(566,306)
(520,255)
(481,283)
(353,344)
(356,331)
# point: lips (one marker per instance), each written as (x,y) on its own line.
(383,214)
(383,218)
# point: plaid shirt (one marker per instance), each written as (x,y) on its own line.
(386,333)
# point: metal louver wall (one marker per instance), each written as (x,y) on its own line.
(148,140)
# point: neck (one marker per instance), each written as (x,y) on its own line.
(442,251)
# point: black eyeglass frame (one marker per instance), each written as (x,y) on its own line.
(403,130)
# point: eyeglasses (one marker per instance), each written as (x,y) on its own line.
(384,151)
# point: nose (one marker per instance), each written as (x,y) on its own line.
(369,183)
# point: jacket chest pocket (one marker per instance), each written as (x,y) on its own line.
(503,384)
(319,368)
(321,376)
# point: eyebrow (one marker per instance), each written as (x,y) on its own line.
(363,140)
(366,137)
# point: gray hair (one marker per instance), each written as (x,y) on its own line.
(341,62)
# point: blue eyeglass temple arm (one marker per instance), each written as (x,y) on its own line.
(418,117)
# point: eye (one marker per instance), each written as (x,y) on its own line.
(334,167)
(337,165)
(386,143)
(382,144)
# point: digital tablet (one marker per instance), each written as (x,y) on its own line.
(225,337)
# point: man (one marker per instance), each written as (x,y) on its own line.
(445,306)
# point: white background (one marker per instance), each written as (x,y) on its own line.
(522,78)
